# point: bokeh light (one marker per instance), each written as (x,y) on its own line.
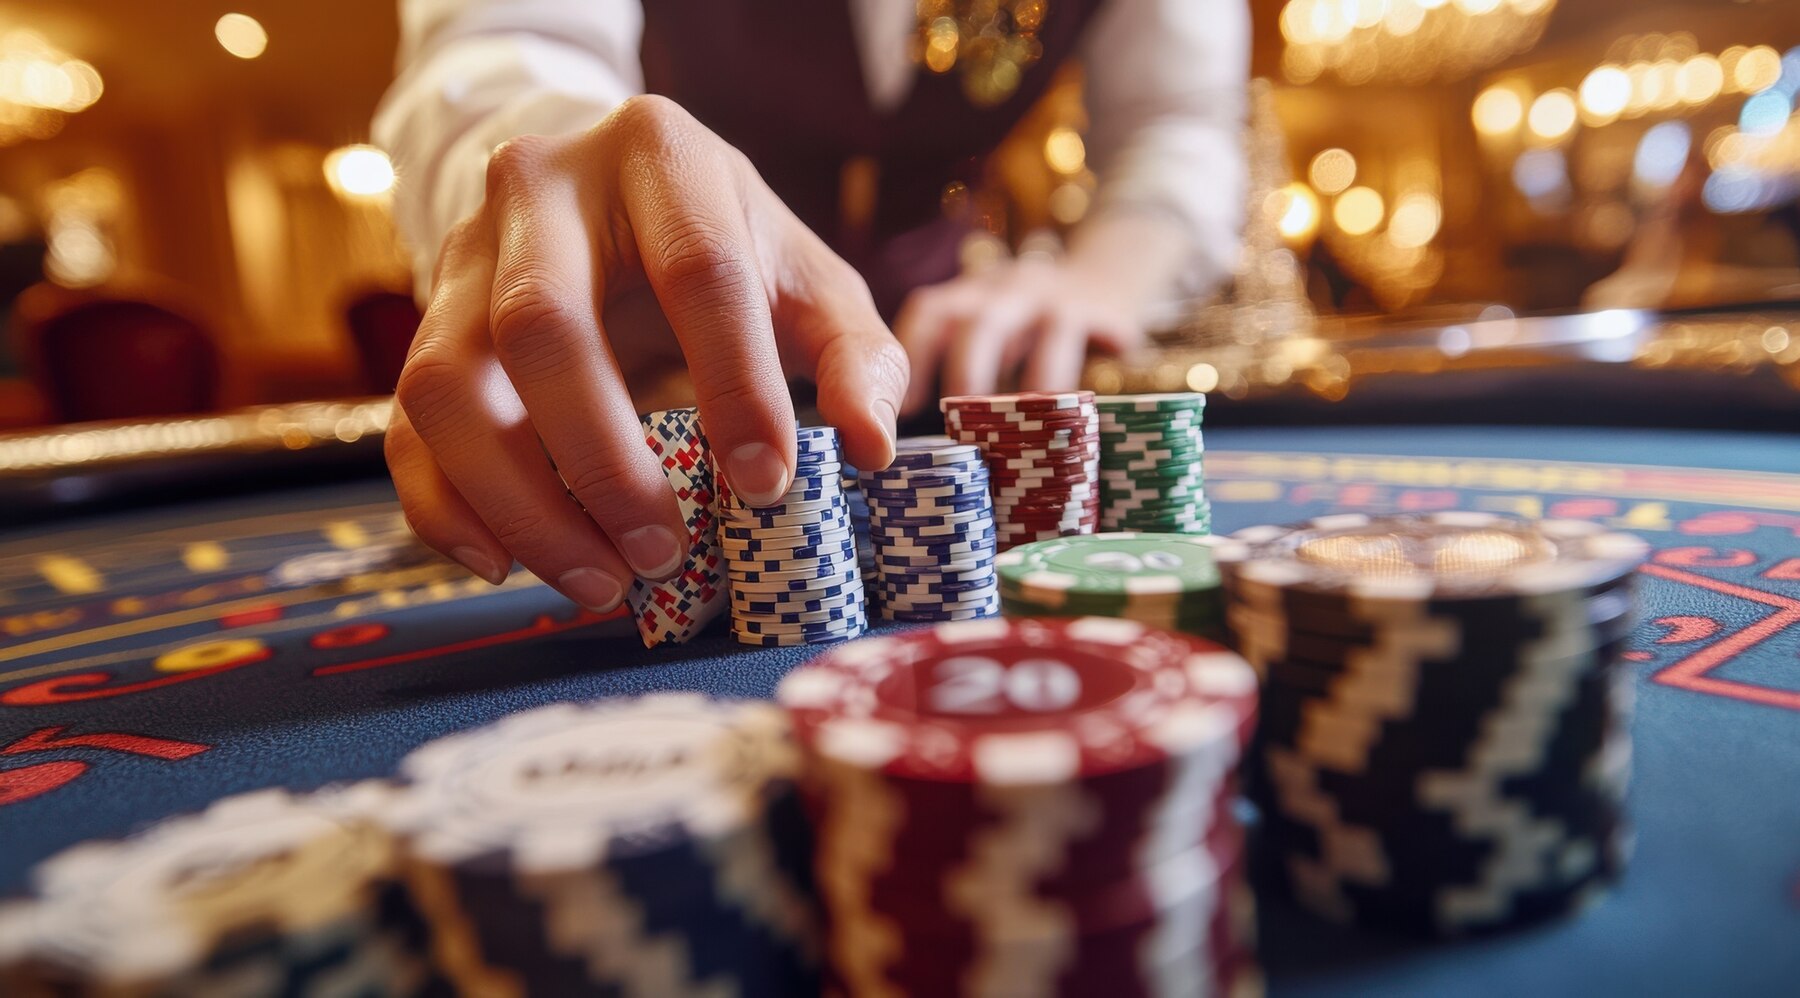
(1417,217)
(1552,114)
(1758,69)
(1332,171)
(241,35)
(1064,151)
(1540,173)
(1699,79)
(359,171)
(1296,212)
(1765,113)
(1661,154)
(1605,92)
(1358,211)
(1497,111)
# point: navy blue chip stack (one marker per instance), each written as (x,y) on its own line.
(633,848)
(792,566)
(1444,744)
(262,893)
(931,524)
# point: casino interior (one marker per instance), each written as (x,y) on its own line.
(1519,279)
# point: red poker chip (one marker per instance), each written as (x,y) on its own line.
(1018,702)
(1017,402)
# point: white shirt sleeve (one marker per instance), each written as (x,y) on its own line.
(474,73)
(1166,82)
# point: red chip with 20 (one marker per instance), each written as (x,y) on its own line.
(1019,702)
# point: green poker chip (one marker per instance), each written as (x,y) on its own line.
(1167,580)
(1151,454)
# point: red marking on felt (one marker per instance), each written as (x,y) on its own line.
(254,615)
(1637,656)
(349,636)
(538,628)
(1686,627)
(26,782)
(1691,673)
(1705,558)
(112,741)
(91,685)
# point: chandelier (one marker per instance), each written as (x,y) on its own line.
(1405,41)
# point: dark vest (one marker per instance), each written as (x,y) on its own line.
(782,81)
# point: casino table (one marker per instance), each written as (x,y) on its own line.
(155,659)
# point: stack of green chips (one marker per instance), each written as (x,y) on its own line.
(1150,473)
(1163,580)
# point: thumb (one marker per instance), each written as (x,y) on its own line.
(829,320)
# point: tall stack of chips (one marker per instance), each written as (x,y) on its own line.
(1444,745)
(793,566)
(1043,457)
(859,526)
(676,610)
(642,847)
(1027,807)
(931,527)
(1150,471)
(264,893)
(1163,580)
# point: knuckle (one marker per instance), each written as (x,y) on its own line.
(606,485)
(532,323)
(428,383)
(648,118)
(727,384)
(516,164)
(700,257)
(519,528)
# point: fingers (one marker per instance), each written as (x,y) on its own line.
(973,361)
(1055,365)
(825,312)
(923,329)
(433,509)
(684,203)
(547,336)
(456,396)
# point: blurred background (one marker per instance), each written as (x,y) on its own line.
(191,220)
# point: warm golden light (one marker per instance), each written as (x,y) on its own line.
(1497,111)
(241,35)
(1605,92)
(1296,212)
(1064,151)
(1757,70)
(1699,79)
(1552,114)
(1416,220)
(1358,211)
(359,171)
(1332,171)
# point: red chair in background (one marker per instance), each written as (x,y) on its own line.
(382,324)
(116,358)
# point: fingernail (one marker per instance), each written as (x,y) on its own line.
(654,551)
(757,474)
(475,561)
(592,588)
(885,418)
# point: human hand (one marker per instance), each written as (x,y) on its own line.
(517,363)
(1034,317)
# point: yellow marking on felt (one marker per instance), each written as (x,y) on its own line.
(208,654)
(346,535)
(1647,516)
(1529,507)
(1248,491)
(205,556)
(70,575)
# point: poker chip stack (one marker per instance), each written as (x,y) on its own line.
(931,527)
(263,893)
(1150,463)
(859,525)
(1043,457)
(1164,580)
(1444,744)
(793,566)
(631,847)
(1028,807)
(676,610)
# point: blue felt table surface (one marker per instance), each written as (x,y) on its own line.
(1708,908)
